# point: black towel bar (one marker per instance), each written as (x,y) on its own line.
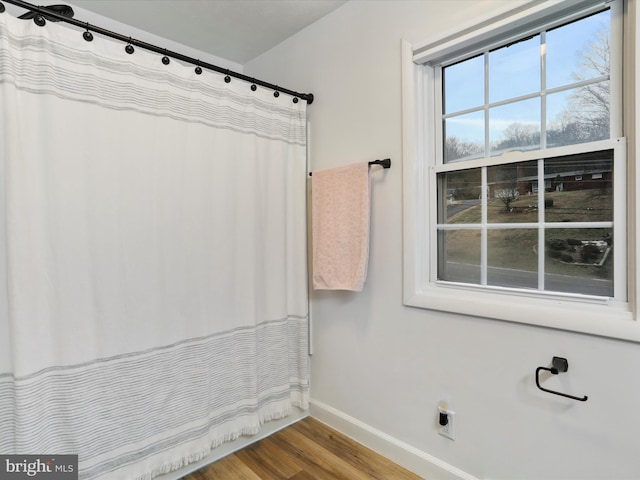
(386,163)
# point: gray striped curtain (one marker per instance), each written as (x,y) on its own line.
(153,298)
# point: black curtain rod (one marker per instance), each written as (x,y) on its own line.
(44,12)
(386,163)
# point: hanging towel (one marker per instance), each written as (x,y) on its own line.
(340,203)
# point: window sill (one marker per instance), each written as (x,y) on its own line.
(595,316)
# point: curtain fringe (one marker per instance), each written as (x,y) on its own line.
(251,430)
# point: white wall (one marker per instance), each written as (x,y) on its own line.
(388,365)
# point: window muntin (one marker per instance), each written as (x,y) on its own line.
(496,227)
(533,94)
(494,221)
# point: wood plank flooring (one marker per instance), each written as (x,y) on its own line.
(306,450)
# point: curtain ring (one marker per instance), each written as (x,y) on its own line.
(129,48)
(198,68)
(165,59)
(227,78)
(276,93)
(39,19)
(2,9)
(295,100)
(88,36)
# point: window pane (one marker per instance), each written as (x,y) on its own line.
(464,85)
(459,256)
(579,261)
(580,188)
(515,126)
(459,196)
(514,70)
(578,51)
(464,137)
(512,258)
(578,115)
(511,199)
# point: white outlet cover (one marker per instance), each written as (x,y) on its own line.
(448,430)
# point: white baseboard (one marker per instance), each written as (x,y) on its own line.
(228,448)
(403,454)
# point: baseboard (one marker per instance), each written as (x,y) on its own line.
(403,454)
(228,448)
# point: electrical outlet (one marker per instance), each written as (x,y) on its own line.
(448,430)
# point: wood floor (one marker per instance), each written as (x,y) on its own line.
(307,450)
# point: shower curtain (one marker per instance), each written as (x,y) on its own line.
(153,298)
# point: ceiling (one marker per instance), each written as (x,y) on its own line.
(236,30)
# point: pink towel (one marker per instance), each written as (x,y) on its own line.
(340,203)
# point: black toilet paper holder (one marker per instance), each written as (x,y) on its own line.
(558,365)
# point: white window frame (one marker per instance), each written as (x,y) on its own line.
(616,317)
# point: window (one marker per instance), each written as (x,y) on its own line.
(516,206)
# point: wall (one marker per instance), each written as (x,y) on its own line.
(383,367)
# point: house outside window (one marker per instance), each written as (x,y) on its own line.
(503,112)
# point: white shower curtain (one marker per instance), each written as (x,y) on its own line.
(152,254)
